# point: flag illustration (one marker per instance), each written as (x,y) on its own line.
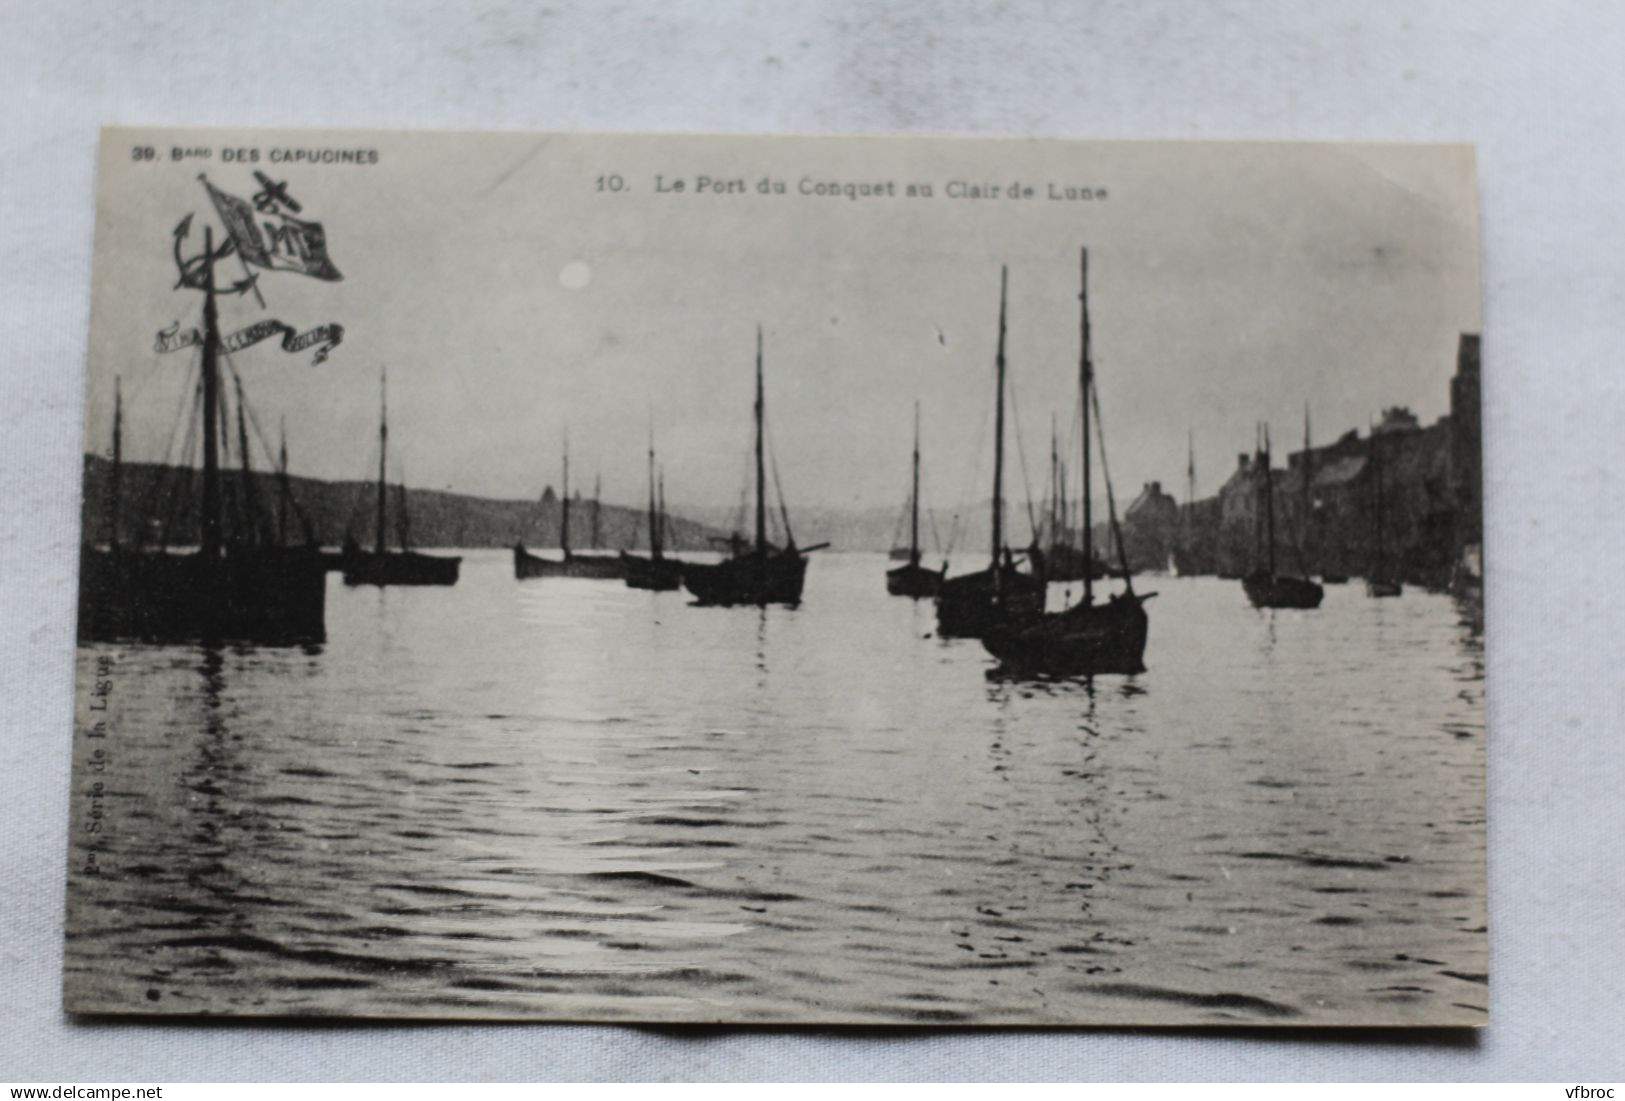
(274,239)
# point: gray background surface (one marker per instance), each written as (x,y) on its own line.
(1538,87)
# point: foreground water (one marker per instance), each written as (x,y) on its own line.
(569,799)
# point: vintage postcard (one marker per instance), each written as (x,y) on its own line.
(780,580)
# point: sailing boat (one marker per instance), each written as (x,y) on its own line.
(601,567)
(758,573)
(382,566)
(914,580)
(1266,588)
(1087,638)
(331,560)
(1062,560)
(238,585)
(970,605)
(656,571)
(1381,580)
(1182,559)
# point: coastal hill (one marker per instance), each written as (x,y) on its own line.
(154,496)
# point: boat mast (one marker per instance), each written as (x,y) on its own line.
(282,486)
(914,498)
(251,515)
(116,488)
(383,452)
(1054,483)
(1061,537)
(654,513)
(597,507)
(404,522)
(564,522)
(761,468)
(998,437)
(1086,379)
(1269,500)
(211,405)
(664,520)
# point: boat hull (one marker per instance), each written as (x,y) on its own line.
(1374,587)
(915,581)
(269,596)
(970,605)
(658,574)
(760,579)
(594,567)
(399,568)
(1083,640)
(1267,590)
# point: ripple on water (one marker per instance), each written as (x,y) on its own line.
(581,800)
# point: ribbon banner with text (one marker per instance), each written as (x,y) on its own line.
(323,337)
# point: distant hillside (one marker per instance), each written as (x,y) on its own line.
(154,495)
(873,529)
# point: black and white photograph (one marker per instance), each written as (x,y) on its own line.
(799,580)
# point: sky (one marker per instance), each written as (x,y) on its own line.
(513,294)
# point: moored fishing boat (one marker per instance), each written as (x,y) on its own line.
(597,567)
(1087,638)
(655,571)
(755,573)
(382,566)
(912,579)
(970,605)
(1264,587)
(238,584)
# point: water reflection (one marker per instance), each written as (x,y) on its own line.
(574,799)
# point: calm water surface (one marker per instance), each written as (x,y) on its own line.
(570,799)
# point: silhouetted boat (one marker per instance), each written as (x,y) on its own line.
(759,573)
(970,605)
(237,586)
(332,561)
(654,571)
(914,580)
(1087,638)
(382,566)
(1188,557)
(598,567)
(1062,561)
(1381,579)
(1264,587)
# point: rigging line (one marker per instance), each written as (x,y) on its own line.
(956,527)
(902,516)
(778,489)
(1021,454)
(168,484)
(180,427)
(269,452)
(179,503)
(897,530)
(365,498)
(1111,501)
(745,479)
